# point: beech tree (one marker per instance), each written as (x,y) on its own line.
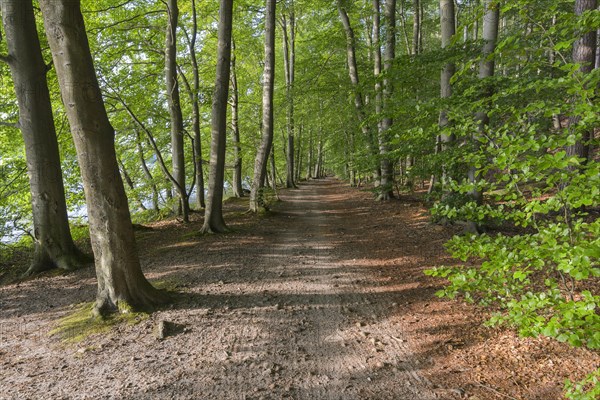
(359,102)
(491,21)
(448,30)
(120,277)
(173,97)
(238,190)
(213,218)
(262,155)
(288,28)
(386,123)
(54,245)
(584,54)
(194,98)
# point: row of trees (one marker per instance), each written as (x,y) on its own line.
(89,95)
(492,105)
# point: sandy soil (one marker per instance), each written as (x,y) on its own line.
(323,298)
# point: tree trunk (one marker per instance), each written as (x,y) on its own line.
(264,150)
(299,159)
(417,28)
(318,165)
(404,29)
(447,17)
(200,201)
(486,70)
(448,29)
(238,190)
(584,54)
(289,56)
(147,172)
(54,245)
(118,270)
(174,102)
(213,217)
(310,155)
(354,80)
(597,66)
(130,183)
(273,170)
(387,181)
(376,44)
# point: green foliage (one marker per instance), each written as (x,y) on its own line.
(540,264)
(587,389)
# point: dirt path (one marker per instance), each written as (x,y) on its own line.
(284,311)
(324,298)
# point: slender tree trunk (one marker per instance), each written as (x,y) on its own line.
(147,172)
(54,245)
(161,162)
(174,101)
(273,170)
(476,22)
(238,190)
(130,183)
(354,80)
(264,150)
(387,184)
(584,54)
(118,270)
(299,159)
(417,29)
(597,66)
(201,203)
(318,165)
(404,29)
(213,217)
(376,45)
(288,28)
(448,30)
(486,70)
(310,155)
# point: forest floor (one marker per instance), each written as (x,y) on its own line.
(324,297)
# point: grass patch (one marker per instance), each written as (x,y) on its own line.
(169,284)
(81,323)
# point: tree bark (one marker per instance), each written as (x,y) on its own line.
(448,30)
(417,45)
(288,27)
(584,54)
(387,188)
(118,271)
(256,201)
(201,203)
(173,98)
(299,159)
(238,190)
(404,29)
(54,245)
(310,155)
(273,170)
(487,65)
(147,172)
(213,217)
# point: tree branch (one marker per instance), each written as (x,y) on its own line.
(10,124)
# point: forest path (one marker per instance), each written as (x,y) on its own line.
(302,316)
(309,302)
